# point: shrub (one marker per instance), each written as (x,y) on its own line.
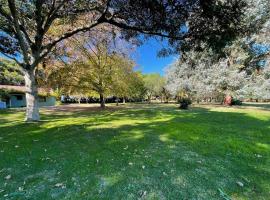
(236,102)
(184,103)
(4,94)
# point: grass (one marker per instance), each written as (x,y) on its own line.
(137,152)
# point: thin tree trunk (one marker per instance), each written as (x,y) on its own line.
(102,101)
(124,100)
(32,107)
(149,99)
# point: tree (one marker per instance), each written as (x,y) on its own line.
(130,85)
(98,67)
(59,76)
(137,88)
(28,36)
(238,69)
(257,85)
(90,64)
(125,81)
(10,73)
(203,79)
(153,84)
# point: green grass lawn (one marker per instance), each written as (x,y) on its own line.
(137,152)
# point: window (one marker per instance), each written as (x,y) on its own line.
(42,99)
(19,97)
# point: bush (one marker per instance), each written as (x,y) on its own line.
(4,94)
(184,103)
(236,102)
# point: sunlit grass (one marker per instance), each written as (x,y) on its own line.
(137,151)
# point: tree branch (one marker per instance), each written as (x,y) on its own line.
(9,19)
(140,30)
(19,35)
(5,14)
(12,58)
(52,15)
(26,34)
(70,34)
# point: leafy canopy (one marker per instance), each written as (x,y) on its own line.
(31,29)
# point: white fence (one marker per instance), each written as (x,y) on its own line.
(3,105)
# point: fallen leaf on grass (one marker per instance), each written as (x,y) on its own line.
(240,184)
(8,177)
(245,179)
(223,195)
(60,185)
(142,194)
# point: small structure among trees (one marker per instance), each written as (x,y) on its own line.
(14,96)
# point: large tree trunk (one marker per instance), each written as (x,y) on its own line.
(102,101)
(32,108)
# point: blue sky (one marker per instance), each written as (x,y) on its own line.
(147,59)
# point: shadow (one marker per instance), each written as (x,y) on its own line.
(265,106)
(137,153)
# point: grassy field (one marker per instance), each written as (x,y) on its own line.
(136,152)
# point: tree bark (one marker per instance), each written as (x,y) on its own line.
(149,99)
(124,100)
(32,107)
(102,101)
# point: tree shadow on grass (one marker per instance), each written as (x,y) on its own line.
(263,106)
(158,154)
